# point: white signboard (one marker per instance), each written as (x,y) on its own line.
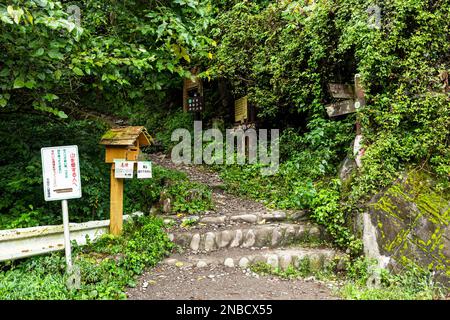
(144,170)
(61,173)
(123,169)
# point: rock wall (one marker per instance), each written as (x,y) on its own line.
(411,226)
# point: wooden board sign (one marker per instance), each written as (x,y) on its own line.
(354,96)
(123,169)
(341,91)
(195,104)
(144,170)
(240,109)
(341,108)
(193,95)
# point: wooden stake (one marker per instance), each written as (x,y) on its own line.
(116,204)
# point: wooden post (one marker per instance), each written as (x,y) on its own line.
(116,204)
(360,98)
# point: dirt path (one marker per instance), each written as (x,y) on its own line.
(223,283)
(220,282)
(225,203)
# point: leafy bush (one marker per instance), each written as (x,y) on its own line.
(305,179)
(190,197)
(22,203)
(165,123)
(186,196)
(413,283)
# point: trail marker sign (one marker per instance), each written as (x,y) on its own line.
(144,170)
(124,169)
(353,94)
(61,173)
(341,91)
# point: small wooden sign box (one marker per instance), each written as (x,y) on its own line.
(122,143)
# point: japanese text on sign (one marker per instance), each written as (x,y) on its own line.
(61,173)
(123,169)
(144,170)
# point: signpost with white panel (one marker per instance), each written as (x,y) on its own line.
(62,181)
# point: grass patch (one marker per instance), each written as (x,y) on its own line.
(107,266)
(413,283)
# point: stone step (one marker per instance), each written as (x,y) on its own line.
(244,217)
(244,236)
(315,258)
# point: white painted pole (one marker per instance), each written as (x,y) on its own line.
(65,211)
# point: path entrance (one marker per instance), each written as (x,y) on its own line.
(216,253)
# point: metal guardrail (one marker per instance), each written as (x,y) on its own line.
(27,242)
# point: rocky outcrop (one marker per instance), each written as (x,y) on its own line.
(410,224)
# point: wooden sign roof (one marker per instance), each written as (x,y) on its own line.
(126,136)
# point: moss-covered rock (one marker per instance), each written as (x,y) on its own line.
(412,221)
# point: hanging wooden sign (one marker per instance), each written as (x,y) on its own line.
(193,95)
(341,108)
(353,94)
(341,91)
(241,109)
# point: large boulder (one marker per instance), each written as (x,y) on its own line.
(410,224)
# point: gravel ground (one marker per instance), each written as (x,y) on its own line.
(221,283)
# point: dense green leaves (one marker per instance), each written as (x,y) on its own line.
(283,54)
(119,53)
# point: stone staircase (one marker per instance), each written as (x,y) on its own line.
(241,232)
(277,238)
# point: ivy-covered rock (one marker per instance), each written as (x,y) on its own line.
(412,220)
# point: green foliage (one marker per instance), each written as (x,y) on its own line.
(36,39)
(107,267)
(284,54)
(328,211)
(190,197)
(120,52)
(186,196)
(164,123)
(303,270)
(22,203)
(411,284)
